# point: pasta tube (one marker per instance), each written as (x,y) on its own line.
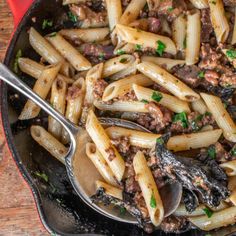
(229,167)
(200,4)
(78,61)
(114,11)
(42,88)
(199,106)
(171,102)
(233,41)
(221,116)
(149,189)
(104,146)
(48,142)
(168,81)
(100,163)
(145,39)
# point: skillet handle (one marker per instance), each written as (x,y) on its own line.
(19,8)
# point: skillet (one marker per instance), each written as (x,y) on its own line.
(60,209)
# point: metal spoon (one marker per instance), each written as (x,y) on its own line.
(80,171)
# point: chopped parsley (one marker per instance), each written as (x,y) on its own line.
(41,175)
(208,212)
(160,47)
(231,54)
(201,75)
(153,203)
(160,140)
(144,101)
(47,24)
(207,113)
(170,9)
(53,34)
(101,56)
(194,123)
(120,52)
(72,17)
(156,96)
(16,62)
(122,210)
(138,47)
(123,60)
(233,152)
(211,152)
(213,2)
(181,117)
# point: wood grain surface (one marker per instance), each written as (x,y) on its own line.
(18,213)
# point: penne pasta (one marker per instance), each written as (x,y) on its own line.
(193,38)
(149,189)
(168,81)
(153,5)
(229,167)
(46,50)
(163,62)
(114,10)
(67,2)
(124,85)
(179,32)
(217,220)
(219,20)
(132,11)
(48,142)
(100,163)
(104,146)
(233,41)
(121,106)
(145,39)
(86,35)
(199,106)
(232,183)
(42,88)
(221,116)
(166,100)
(110,190)
(58,101)
(78,61)
(200,4)
(194,140)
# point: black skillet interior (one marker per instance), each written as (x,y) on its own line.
(61,211)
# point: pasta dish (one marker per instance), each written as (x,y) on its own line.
(169,67)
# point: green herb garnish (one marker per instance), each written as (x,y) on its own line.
(53,34)
(194,123)
(208,212)
(122,210)
(16,62)
(201,75)
(231,54)
(211,152)
(170,9)
(183,118)
(156,96)
(47,24)
(101,56)
(160,47)
(138,47)
(144,101)
(207,113)
(213,2)
(160,141)
(72,17)
(123,60)
(153,203)
(41,175)
(233,152)
(120,52)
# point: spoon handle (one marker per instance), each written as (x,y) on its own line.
(7,76)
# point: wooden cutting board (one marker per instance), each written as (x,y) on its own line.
(18,213)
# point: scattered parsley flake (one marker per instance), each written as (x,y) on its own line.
(208,212)
(160,140)
(201,75)
(72,17)
(181,117)
(231,54)
(47,24)
(144,101)
(213,2)
(138,47)
(153,203)
(16,63)
(207,113)
(233,152)
(41,175)
(122,210)
(156,96)
(101,56)
(211,152)
(225,105)
(123,60)
(160,47)
(170,9)
(120,52)
(53,34)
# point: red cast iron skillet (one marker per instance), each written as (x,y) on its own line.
(61,211)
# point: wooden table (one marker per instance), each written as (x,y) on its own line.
(18,213)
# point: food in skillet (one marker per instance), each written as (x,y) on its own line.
(167,65)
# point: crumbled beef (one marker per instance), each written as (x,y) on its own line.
(228,80)
(97,50)
(157,119)
(73,92)
(207,28)
(125,3)
(174,224)
(111,153)
(130,96)
(212,77)
(158,87)
(154,25)
(189,75)
(141,205)
(122,144)
(96,5)
(230,3)
(195,122)
(99,88)
(221,154)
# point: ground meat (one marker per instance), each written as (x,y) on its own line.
(189,75)
(140,203)
(207,28)
(221,154)
(231,3)
(158,118)
(99,88)
(212,77)
(110,151)
(173,224)
(73,92)
(160,88)
(125,3)
(122,144)
(97,50)
(228,80)
(154,25)
(130,96)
